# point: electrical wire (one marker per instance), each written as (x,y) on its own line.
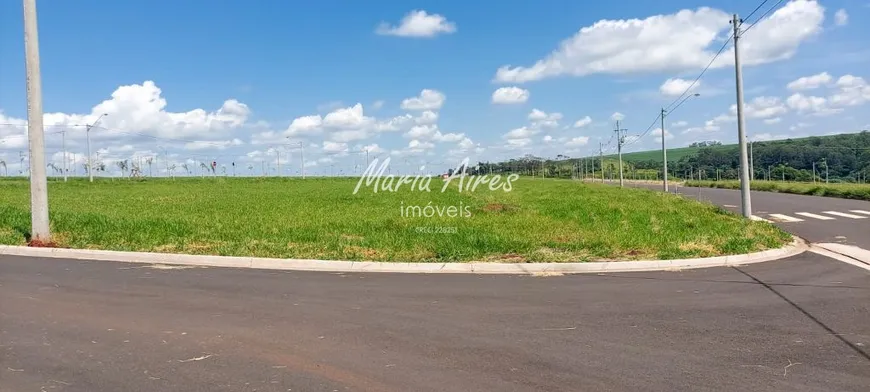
(760,18)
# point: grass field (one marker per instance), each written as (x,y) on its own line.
(538,221)
(843,191)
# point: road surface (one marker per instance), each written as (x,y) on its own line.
(801,324)
(816,219)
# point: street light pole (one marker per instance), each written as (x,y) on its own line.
(664,150)
(40,229)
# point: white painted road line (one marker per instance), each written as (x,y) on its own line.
(733,206)
(785,218)
(860,212)
(814,216)
(758,218)
(845,215)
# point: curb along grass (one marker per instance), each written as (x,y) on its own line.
(796,247)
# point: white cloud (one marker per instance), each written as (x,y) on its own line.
(519,142)
(810,82)
(371,148)
(305,125)
(428,100)
(541,119)
(510,95)
(547,138)
(421,132)
(583,122)
(420,145)
(427,117)
(841,17)
(771,121)
(762,107)
(521,133)
(448,137)
(657,133)
(465,144)
(810,105)
(617,116)
(376,105)
(419,24)
(577,141)
(853,91)
(334,147)
(344,118)
(679,124)
(349,135)
(682,41)
(204,145)
(676,87)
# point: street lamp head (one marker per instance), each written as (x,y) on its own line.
(697,94)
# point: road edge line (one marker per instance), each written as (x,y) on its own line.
(797,246)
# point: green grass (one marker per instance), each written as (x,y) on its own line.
(839,190)
(539,221)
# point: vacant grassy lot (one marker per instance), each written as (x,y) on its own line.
(552,220)
(843,191)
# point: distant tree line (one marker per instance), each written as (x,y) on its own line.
(840,158)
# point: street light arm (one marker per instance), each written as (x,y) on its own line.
(681,102)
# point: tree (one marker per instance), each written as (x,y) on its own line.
(150,160)
(5,169)
(186,167)
(122,165)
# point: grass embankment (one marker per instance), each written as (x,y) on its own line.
(840,190)
(538,221)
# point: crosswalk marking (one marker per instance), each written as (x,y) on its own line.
(814,216)
(845,215)
(786,218)
(860,212)
(758,218)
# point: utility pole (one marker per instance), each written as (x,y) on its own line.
(40,230)
(619,141)
(664,155)
(600,161)
(826,169)
(278,159)
(65,161)
(745,197)
(88,134)
(751,162)
(814,172)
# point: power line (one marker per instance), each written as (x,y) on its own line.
(760,18)
(756,10)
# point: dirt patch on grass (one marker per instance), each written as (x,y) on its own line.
(702,248)
(498,207)
(41,244)
(166,248)
(366,253)
(507,258)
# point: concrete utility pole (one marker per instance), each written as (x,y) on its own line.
(664,155)
(619,140)
(65,161)
(88,135)
(751,163)
(40,230)
(600,161)
(745,198)
(814,172)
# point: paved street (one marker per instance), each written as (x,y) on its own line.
(816,219)
(794,325)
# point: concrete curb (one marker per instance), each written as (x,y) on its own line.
(796,247)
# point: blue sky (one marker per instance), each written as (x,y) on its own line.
(234,75)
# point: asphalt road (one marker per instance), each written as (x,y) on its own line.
(801,324)
(835,228)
